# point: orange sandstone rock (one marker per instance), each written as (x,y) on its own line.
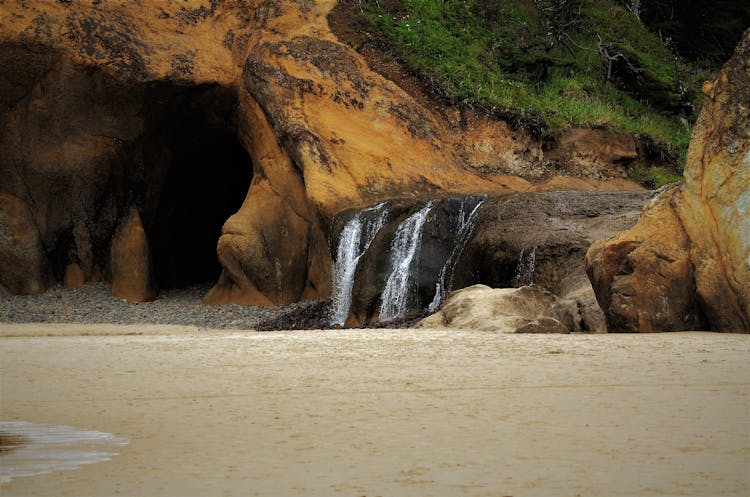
(643,277)
(130,261)
(74,277)
(686,264)
(79,137)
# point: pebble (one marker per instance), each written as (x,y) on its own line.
(93,303)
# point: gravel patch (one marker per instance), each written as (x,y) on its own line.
(93,303)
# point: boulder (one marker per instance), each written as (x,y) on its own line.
(528,309)
(686,264)
(643,278)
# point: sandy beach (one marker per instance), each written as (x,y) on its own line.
(385,412)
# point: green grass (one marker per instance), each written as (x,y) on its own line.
(654,177)
(495,52)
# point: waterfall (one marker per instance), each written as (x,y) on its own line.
(424,248)
(465,228)
(525,269)
(404,247)
(354,241)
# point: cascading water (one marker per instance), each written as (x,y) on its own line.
(466,220)
(405,245)
(423,250)
(525,269)
(354,241)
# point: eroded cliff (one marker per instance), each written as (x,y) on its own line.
(143,132)
(686,264)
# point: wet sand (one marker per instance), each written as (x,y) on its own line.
(385,412)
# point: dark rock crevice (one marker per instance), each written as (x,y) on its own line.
(202,174)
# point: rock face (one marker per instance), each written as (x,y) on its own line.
(513,240)
(435,246)
(686,264)
(593,153)
(91,103)
(542,238)
(22,263)
(202,113)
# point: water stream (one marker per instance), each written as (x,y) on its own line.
(354,241)
(466,221)
(419,258)
(405,245)
(525,269)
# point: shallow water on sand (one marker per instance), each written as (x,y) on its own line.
(30,449)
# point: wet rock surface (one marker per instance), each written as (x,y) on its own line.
(447,224)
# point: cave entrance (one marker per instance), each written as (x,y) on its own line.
(197,175)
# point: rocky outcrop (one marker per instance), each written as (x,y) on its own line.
(645,281)
(203,113)
(514,240)
(592,153)
(82,147)
(85,137)
(105,107)
(686,264)
(542,238)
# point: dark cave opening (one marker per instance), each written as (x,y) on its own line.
(197,175)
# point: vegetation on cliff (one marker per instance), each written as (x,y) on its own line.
(552,64)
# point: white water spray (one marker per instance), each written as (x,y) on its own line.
(525,269)
(404,247)
(354,241)
(445,278)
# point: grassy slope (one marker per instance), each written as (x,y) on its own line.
(496,53)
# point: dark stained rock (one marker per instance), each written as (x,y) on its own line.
(309,315)
(22,261)
(439,238)
(542,238)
